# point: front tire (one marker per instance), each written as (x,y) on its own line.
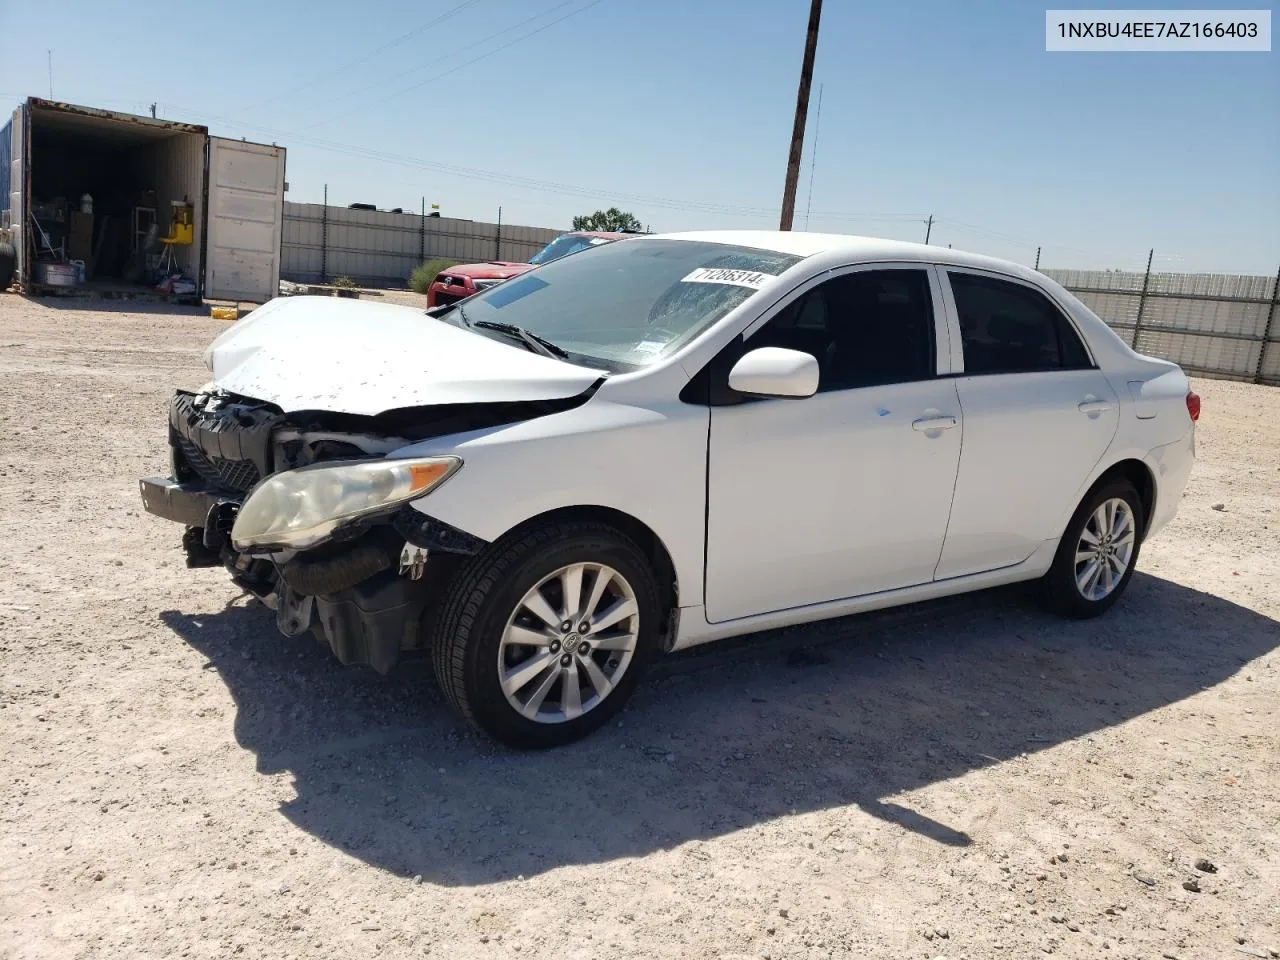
(1098,552)
(542,638)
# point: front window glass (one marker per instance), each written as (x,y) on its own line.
(564,245)
(625,305)
(865,328)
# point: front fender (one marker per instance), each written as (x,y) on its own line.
(646,462)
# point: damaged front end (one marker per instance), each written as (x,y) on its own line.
(360,579)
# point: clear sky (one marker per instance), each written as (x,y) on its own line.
(681,113)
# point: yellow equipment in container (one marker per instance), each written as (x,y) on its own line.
(182,227)
(182,232)
(225,313)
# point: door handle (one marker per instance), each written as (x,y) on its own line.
(930,424)
(1092,406)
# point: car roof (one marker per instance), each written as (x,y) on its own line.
(848,247)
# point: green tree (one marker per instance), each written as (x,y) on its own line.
(612,219)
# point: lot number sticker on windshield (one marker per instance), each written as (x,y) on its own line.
(739,278)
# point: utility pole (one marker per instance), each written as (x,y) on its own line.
(928,228)
(802,111)
(153,111)
(50,52)
(1037,266)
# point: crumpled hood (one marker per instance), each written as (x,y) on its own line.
(353,356)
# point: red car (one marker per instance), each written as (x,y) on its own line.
(461,281)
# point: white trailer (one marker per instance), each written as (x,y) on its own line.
(235,188)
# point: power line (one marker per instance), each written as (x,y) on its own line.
(342,68)
(529,183)
(384,82)
(990,233)
(420,163)
(551,187)
(1010,238)
(813,156)
(555,188)
(483,56)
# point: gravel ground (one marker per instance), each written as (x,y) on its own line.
(971,779)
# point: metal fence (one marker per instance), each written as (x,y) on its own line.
(374,247)
(1215,325)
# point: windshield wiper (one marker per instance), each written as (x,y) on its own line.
(443,310)
(534,342)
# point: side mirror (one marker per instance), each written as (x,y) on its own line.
(775,372)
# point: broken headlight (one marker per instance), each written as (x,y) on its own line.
(297,509)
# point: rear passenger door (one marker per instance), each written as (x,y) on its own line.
(1038,416)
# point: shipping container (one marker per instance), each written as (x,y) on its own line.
(101,191)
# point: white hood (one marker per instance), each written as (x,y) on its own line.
(352,356)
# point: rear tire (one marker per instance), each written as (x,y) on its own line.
(1098,552)
(509,672)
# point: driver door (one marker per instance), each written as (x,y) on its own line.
(846,492)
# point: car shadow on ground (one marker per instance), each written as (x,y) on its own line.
(848,712)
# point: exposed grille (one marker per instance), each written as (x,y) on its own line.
(446,298)
(234,475)
(222,439)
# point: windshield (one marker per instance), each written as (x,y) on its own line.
(626,305)
(564,245)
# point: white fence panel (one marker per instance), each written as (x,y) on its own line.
(378,247)
(1215,325)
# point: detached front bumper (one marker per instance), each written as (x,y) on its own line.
(193,505)
(354,596)
(353,599)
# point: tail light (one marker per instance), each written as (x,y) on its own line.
(1193,405)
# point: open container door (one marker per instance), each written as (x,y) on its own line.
(17,191)
(245,220)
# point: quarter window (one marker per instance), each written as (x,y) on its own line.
(866,328)
(1010,328)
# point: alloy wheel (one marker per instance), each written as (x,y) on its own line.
(568,642)
(1105,549)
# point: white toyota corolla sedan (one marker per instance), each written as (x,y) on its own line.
(664,441)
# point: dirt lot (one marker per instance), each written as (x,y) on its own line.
(972,780)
